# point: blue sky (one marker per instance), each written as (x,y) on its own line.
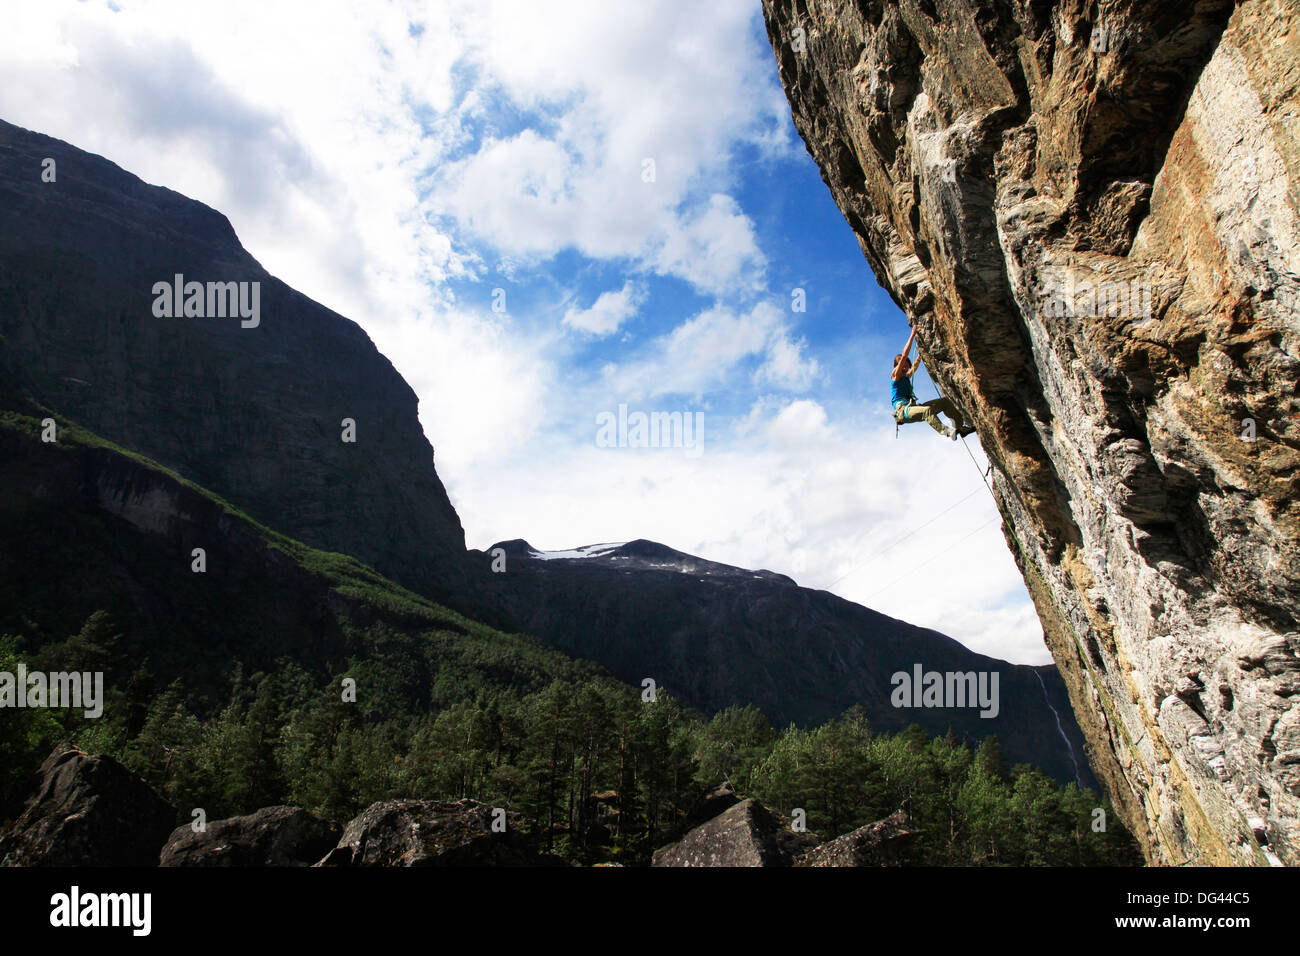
(402,161)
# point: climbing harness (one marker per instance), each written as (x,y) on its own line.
(899,410)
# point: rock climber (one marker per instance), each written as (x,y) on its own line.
(907,409)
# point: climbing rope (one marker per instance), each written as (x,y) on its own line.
(934,557)
(984,474)
(899,541)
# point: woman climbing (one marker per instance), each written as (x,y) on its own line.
(907,409)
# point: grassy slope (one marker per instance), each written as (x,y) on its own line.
(63,557)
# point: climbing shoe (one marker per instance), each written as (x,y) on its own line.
(966,429)
(951,433)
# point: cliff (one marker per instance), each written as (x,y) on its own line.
(253,412)
(1089,213)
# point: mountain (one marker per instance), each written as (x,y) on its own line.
(1089,214)
(252,412)
(716,636)
(88,526)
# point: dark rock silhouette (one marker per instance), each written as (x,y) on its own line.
(746,835)
(253,414)
(88,811)
(273,836)
(883,843)
(718,800)
(434,833)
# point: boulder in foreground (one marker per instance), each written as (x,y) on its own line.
(273,836)
(433,833)
(88,811)
(883,843)
(745,835)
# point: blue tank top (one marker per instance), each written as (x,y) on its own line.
(900,390)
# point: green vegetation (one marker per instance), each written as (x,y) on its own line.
(597,773)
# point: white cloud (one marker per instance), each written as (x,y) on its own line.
(797,425)
(493,381)
(715,249)
(786,367)
(624,83)
(838,506)
(312,147)
(354,164)
(704,353)
(609,311)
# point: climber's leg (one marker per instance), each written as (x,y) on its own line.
(944,404)
(959,421)
(926,413)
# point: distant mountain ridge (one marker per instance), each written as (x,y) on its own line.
(639,555)
(714,635)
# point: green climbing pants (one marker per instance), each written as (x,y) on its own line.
(929,412)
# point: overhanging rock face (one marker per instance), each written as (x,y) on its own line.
(1091,220)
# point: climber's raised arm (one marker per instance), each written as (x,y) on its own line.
(902,362)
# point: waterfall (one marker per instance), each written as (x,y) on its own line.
(1060,729)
